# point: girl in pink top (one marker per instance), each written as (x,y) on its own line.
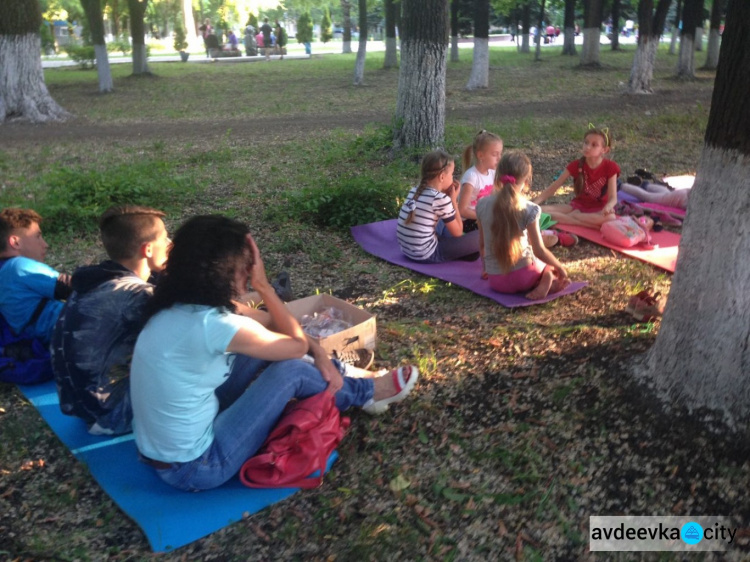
(595,185)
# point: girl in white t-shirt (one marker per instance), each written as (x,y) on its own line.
(513,255)
(483,156)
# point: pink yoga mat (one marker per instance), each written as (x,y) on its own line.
(663,209)
(664,256)
(379,239)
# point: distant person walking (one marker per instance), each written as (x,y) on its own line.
(265,29)
(280,38)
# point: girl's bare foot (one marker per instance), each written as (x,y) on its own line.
(543,287)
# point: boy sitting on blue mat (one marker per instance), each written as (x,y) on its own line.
(93,340)
(31,292)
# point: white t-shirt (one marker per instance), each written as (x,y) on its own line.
(529,214)
(179,360)
(478,182)
(418,239)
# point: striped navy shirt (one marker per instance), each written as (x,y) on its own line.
(418,239)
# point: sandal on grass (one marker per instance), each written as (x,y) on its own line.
(646,308)
(567,239)
(404,379)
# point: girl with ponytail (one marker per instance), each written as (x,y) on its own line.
(513,255)
(429,211)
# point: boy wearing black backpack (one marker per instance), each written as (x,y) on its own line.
(93,340)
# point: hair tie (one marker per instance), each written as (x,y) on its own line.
(507,179)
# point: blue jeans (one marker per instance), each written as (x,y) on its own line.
(250,413)
(451,247)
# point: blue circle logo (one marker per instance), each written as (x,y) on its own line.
(691,533)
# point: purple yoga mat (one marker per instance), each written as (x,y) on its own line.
(379,239)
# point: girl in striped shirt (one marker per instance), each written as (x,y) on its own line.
(430,228)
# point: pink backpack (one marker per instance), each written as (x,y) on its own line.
(299,445)
(626,232)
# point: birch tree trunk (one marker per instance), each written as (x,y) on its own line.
(138,33)
(650,28)
(95,17)
(359,65)
(420,108)
(23,93)
(714,38)
(454,31)
(569,29)
(699,36)
(391,52)
(701,357)
(675,28)
(346,15)
(480,63)
(691,14)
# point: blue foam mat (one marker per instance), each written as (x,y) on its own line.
(169,517)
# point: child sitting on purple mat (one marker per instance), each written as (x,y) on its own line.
(514,257)
(429,211)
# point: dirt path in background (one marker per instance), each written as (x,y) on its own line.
(82,130)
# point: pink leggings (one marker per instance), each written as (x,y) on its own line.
(519,280)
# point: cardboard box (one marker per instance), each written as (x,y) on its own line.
(362,334)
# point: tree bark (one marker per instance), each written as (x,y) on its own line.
(569,29)
(346,11)
(699,37)
(675,28)
(391,52)
(692,12)
(420,108)
(615,25)
(95,17)
(538,53)
(592,30)
(480,64)
(454,31)
(702,353)
(359,65)
(137,9)
(526,27)
(23,93)
(714,38)
(650,28)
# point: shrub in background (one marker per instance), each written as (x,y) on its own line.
(48,38)
(304,28)
(180,44)
(326,34)
(82,54)
(120,44)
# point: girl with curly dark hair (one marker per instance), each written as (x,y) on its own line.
(210,377)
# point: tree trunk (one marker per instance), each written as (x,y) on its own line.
(23,93)
(346,15)
(615,25)
(420,108)
(569,28)
(188,21)
(702,353)
(699,37)
(480,64)
(650,28)
(592,30)
(391,53)
(526,27)
(137,9)
(95,17)
(454,31)
(675,28)
(359,65)
(692,12)
(714,38)
(538,54)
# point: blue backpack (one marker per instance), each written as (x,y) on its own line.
(23,360)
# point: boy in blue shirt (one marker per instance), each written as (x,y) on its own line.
(31,292)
